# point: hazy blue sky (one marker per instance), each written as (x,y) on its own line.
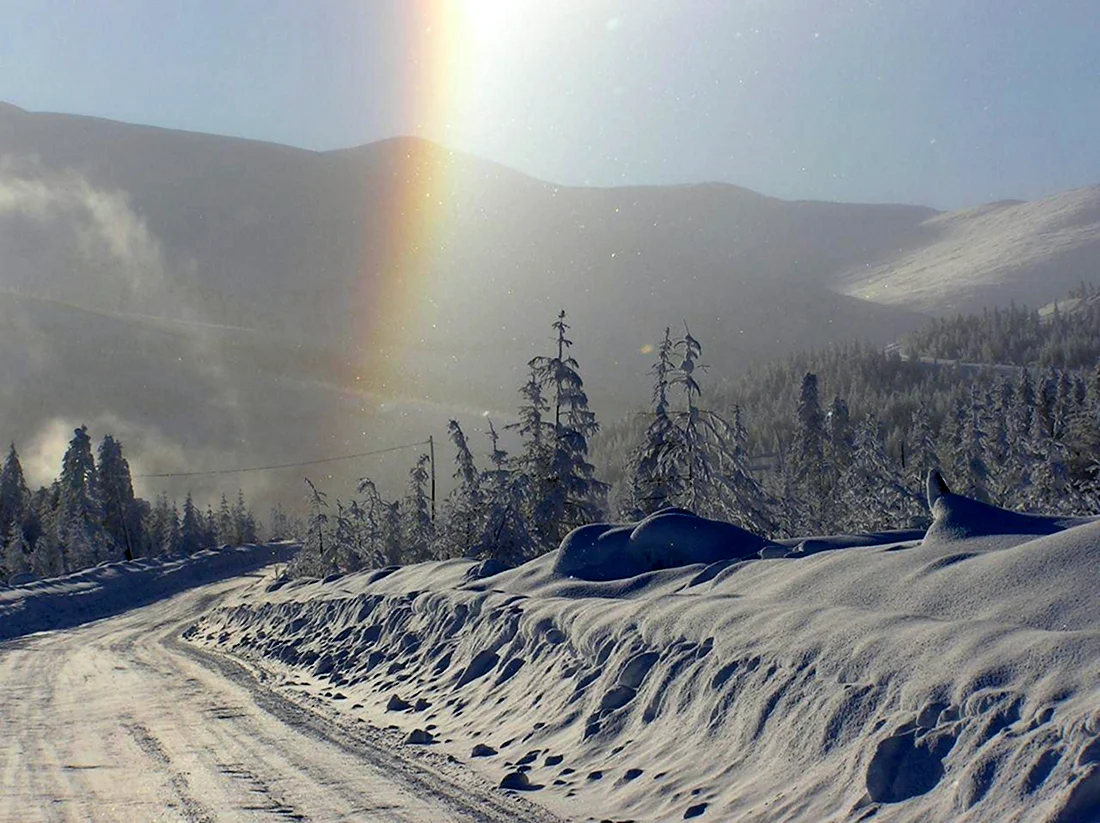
(943,102)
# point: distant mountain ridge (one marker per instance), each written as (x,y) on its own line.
(316,252)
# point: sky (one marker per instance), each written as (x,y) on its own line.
(947,103)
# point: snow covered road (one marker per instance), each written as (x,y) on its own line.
(119,720)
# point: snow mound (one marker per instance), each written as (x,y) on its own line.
(112,588)
(956,517)
(664,540)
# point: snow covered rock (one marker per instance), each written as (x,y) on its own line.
(517,781)
(396,704)
(419,737)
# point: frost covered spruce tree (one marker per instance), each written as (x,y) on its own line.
(15,501)
(79,517)
(192,536)
(163,527)
(463,510)
(226,529)
(15,497)
(317,557)
(654,483)
(505,534)
(369,528)
(703,457)
(871,494)
(557,424)
(121,515)
(418,528)
(244,522)
(806,476)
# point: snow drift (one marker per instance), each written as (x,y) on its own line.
(954,677)
(111,588)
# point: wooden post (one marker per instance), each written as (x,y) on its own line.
(431,460)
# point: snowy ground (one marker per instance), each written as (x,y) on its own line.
(951,678)
(118,720)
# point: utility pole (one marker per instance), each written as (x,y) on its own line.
(431,460)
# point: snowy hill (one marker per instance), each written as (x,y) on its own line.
(340,285)
(953,677)
(973,259)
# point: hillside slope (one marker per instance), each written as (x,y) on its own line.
(976,258)
(403,272)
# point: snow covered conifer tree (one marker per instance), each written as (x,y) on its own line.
(120,518)
(175,532)
(538,437)
(226,528)
(164,526)
(921,454)
(1025,407)
(191,530)
(871,494)
(418,530)
(970,466)
(567,492)
(806,462)
(463,512)
(209,526)
(505,534)
(707,455)
(840,440)
(368,532)
(391,533)
(80,506)
(17,556)
(244,522)
(15,497)
(317,557)
(653,483)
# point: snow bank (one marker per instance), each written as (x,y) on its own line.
(951,678)
(111,588)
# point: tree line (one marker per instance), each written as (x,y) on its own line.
(520,505)
(90,515)
(768,452)
(1018,335)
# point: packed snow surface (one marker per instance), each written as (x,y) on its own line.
(954,677)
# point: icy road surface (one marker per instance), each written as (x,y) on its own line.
(120,720)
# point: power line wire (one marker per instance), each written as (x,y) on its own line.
(285,465)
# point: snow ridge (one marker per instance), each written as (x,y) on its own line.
(951,678)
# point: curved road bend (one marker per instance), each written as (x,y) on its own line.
(119,720)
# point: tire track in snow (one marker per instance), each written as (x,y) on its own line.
(470,801)
(193,811)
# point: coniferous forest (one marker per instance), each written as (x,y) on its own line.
(832,441)
(1006,404)
(90,515)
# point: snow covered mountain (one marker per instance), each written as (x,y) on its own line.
(975,258)
(337,286)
